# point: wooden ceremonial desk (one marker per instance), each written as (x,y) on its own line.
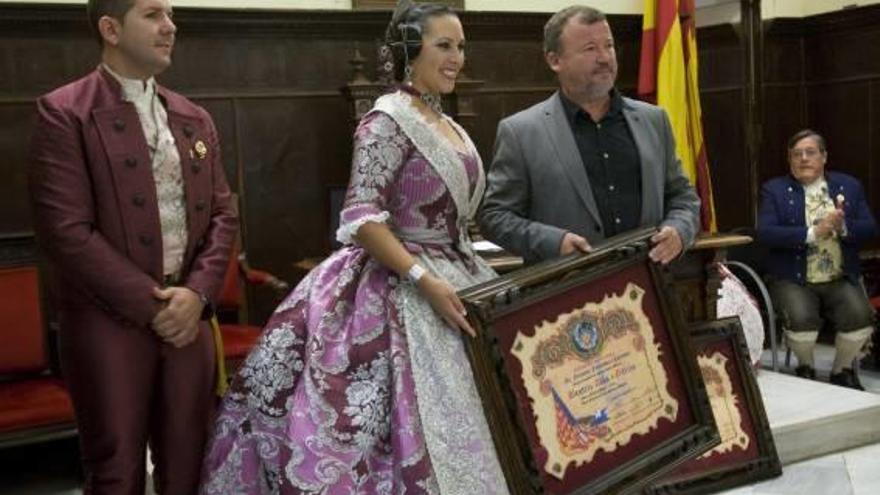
(696,278)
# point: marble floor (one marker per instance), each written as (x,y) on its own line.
(52,468)
(810,419)
(854,472)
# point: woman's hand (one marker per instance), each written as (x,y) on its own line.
(441,294)
(382,245)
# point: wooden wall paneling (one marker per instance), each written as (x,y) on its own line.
(627,31)
(515,63)
(842,45)
(260,66)
(839,111)
(291,149)
(16,124)
(222,111)
(725,137)
(17,249)
(872,188)
(496,103)
(722,97)
(784,51)
(842,72)
(720,57)
(34,63)
(785,102)
(783,116)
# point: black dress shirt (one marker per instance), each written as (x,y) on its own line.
(611,160)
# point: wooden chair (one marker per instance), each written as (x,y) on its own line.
(34,405)
(239,337)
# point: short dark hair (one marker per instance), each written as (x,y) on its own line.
(805,133)
(405,32)
(553,28)
(96,9)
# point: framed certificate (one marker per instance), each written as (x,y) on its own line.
(746,453)
(587,375)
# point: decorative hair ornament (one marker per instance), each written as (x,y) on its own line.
(393,36)
(399,10)
(396,34)
(385,66)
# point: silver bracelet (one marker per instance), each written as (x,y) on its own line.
(415,273)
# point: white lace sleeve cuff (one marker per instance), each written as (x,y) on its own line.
(346,232)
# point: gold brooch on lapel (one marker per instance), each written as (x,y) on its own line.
(201,149)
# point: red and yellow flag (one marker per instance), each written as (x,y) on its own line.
(668,76)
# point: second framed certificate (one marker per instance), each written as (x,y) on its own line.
(588,377)
(747,452)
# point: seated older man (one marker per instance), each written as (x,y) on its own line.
(813,221)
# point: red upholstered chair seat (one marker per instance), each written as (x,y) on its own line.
(22,339)
(33,403)
(34,406)
(238,339)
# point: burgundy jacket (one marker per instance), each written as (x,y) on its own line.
(95,209)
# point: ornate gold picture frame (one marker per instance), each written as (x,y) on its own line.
(587,376)
(747,452)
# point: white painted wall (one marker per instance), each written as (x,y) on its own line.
(607,6)
(708,11)
(715,12)
(804,8)
(231,4)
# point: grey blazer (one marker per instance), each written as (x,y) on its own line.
(538,188)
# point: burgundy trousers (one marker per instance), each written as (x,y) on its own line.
(130,389)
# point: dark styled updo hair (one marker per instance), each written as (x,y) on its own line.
(404,34)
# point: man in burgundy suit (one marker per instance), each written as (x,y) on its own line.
(133,211)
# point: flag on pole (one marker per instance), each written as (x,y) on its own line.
(668,76)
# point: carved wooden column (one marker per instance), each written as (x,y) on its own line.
(361,91)
(697,282)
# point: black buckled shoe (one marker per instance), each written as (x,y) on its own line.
(846,378)
(805,371)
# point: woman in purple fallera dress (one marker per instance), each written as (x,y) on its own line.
(360,383)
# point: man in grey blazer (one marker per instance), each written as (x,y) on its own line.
(587,163)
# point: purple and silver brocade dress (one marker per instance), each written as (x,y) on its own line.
(357,385)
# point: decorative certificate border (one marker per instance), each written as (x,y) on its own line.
(595,379)
(587,375)
(747,452)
